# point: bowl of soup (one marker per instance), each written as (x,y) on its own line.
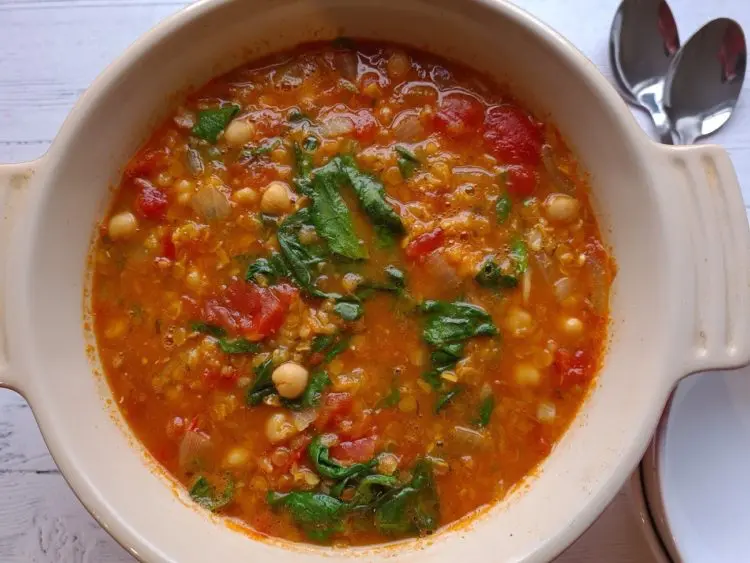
(325,280)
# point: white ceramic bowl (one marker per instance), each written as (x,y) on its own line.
(674,218)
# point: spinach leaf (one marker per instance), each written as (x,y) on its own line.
(212,121)
(396,276)
(413,508)
(519,254)
(319,515)
(303,165)
(311,396)
(395,282)
(384,238)
(212,330)
(331,216)
(371,489)
(485,411)
(260,150)
(299,257)
(443,358)
(491,275)
(238,346)
(271,268)
(310,143)
(321,342)
(330,345)
(348,310)
(326,467)
(204,494)
(371,195)
(407,162)
(446,397)
(341,345)
(502,208)
(452,322)
(263,384)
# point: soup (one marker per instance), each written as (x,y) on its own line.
(350,293)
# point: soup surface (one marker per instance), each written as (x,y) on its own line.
(350,293)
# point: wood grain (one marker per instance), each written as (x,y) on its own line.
(50,51)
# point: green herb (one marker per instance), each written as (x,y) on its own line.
(407,162)
(260,150)
(212,121)
(313,392)
(310,143)
(344,43)
(371,489)
(330,345)
(485,411)
(446,397)
(384,238)
(205,328)
(331,216)
(502,208)
(204,494)
(371,195)
(321,342)
(330,469)
(519,254)
(297,256)
(442,359)
(271,268)
(340,346)
(452,322)
(412,509)
(238,346)
(490,275)
(319,515)
(392,399)
(348,310)
(395,283)
(263,384)
(303,165)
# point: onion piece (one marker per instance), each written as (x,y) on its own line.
(407,127)
(337,126)
(303,419)
(549,271)
(468,437)
(211,203)
(564,183)
(193,448)
(562,288)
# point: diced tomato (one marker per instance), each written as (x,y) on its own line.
(512,136)
(151,202)
(148,162)
(521,180)
(458,115)
(167,246)
(365,125)
(355,451)
(334,406)
(424,244)
(252,174)
(573,368)
(297,449)
(215,378)
(256,312)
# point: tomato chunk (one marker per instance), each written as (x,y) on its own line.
(255,312)
(572,368)
(512,136)
(355,451)
(424,244)
(151,202)
(148,162)
(521,180)
(458,115)
(215,378)
(365,126)
(335,406)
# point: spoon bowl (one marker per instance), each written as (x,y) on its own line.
(705,80)
(643,42)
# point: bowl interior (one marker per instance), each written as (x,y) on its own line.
(87,437)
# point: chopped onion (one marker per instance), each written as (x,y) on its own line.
(293,75)
(194,446)
(407,127)
(549,271)
(546,412)
(303,419)
(561,180)
(337,126)
(465,436)
(562,288)
(443,272)
(211,203)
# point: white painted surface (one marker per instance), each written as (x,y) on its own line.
(50,50)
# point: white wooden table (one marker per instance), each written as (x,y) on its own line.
(50,50)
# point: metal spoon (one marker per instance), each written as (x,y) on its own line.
(704,81)
(642,42)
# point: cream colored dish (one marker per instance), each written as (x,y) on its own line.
(673,216)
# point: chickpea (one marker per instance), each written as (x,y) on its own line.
(245,196)
(526,374)
(279,427)
(290,379)
(571,326)
(239,132)
(237,457)
(562,208)
(519,322)
(122,226)
(276,200)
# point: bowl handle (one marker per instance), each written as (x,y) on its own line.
(14,181)
(707,203)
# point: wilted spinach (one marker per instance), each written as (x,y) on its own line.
(211,122)
(205,495)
